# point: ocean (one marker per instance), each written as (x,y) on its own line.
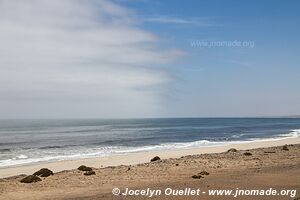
(31,141)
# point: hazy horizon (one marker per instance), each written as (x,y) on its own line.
(162,117)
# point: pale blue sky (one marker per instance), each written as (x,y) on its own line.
(230,81)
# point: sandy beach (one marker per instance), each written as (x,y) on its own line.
(267,166)
(138,158)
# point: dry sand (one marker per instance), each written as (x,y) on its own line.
(266,168)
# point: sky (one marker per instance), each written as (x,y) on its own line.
(149,58)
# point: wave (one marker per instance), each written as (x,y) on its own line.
(51,147)
(77,152)
(292,134)
(5,150)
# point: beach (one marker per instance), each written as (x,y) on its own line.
(267,166)
(142,100)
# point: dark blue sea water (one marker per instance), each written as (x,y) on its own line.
(29,141)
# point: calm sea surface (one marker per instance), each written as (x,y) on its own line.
(29,141)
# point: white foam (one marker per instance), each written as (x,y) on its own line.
(293,134)
(21,156)
(74,154)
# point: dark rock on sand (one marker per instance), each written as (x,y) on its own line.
(44,172)
(156,158)
(198,176)
(84,168)
(177,164)
(285,148)
(204,173)
(31,179)
(232,150)
(88,173)
(248,154)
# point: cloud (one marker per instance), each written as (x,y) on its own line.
(182,21)
(59,58)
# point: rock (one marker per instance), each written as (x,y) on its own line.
(232,150)
(31,179)
(88,173)
(248,154)
(285,148)
(84,168)
(204,173)
(198,176)
(177,164)
(44,172)
(156,158)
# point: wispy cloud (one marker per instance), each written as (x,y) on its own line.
(177,20)
(71,58)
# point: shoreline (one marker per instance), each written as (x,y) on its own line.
(254,169)
(140,157)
